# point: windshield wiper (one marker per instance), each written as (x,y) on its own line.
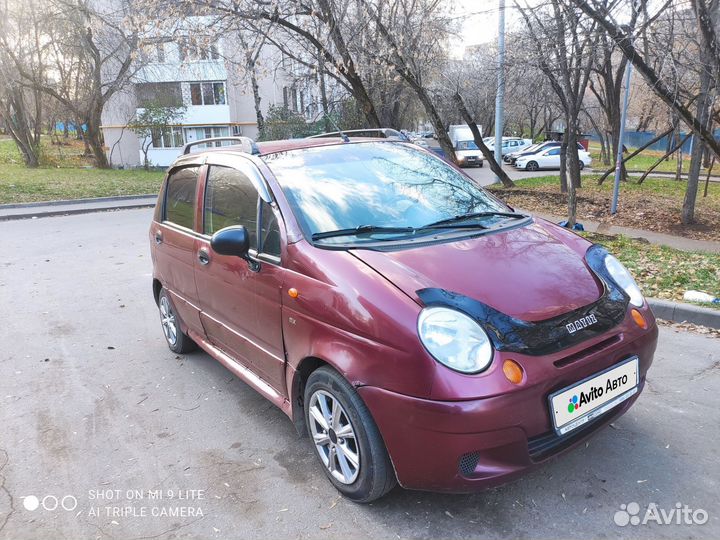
(363,229)
(456,221)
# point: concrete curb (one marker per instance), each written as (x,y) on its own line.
(73,211)
(61,202)
(680,312)
(12,212)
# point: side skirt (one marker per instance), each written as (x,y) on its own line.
(244,374)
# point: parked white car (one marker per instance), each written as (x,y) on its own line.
(510,144)
(549,158)
(468,154)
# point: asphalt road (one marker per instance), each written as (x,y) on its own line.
(484,175)
(95,412)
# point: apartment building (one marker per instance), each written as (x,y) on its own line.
(209,80)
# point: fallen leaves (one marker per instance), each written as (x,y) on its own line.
(654,206)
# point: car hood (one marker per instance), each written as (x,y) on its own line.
(525,272)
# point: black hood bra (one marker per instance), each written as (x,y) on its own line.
(510,334)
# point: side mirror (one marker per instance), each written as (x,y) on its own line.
(233,240)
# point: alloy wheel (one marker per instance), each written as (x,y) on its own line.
(334,437)
(167,319)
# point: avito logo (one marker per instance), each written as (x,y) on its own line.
(596,392)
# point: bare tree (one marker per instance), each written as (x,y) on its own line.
(21,108)
(698,37)
(564,45)
(89,55)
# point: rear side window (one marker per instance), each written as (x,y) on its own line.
(230,199)
(180,197)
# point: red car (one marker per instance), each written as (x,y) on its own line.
(416,328)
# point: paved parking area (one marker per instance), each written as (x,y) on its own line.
(96,414)
(484,175)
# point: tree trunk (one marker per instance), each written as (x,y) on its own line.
(93,137)
(323,97)
(563,163)
(477,137)
(573,168)
(670,151)
(256,98)
(635,153)
(18,124)
(703,112)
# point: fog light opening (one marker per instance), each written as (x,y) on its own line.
(513,372)
(639,319)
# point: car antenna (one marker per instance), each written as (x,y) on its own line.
(344,137)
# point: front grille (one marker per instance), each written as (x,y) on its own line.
(547,444)
(602,345)
(468,463)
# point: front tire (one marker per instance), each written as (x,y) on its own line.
(178,341)
(532,166)
(581,165)
(346,438)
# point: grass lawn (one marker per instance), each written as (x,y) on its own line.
(71,176)
(646,159)
(653,205)
(663,272)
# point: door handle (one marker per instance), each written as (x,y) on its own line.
(158,237)
(203,257)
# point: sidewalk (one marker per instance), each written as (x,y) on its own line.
(79,206)
(677,242)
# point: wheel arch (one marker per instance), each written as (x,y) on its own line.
(297,389)
(156,290)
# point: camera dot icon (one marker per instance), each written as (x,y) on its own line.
(628,514)
(31,503)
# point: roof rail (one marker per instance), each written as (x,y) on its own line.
(249,146)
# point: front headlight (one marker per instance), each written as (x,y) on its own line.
(624,280)
(454,339)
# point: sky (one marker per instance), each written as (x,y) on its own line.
(481,21)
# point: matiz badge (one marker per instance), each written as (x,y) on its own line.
(582,322)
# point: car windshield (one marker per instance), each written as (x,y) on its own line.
(467,145)
(368,186)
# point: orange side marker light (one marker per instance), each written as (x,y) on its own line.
(513,372)
(639,319)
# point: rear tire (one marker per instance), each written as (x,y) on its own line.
(532,166)
(178,341)
(581,165)
(354,459)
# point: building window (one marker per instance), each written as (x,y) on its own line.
(167,137)
(210,132)
(194,50)
(166,94)
(160,52)
(207,93)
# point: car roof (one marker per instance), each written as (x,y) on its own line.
(273,147)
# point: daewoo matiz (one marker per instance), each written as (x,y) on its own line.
(416,328)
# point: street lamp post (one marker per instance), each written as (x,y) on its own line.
(500,95)
(621,142)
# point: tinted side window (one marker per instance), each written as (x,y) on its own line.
(180,197)
(230,199)
(554,152)
(270,231)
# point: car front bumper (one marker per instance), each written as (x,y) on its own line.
(465,446)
